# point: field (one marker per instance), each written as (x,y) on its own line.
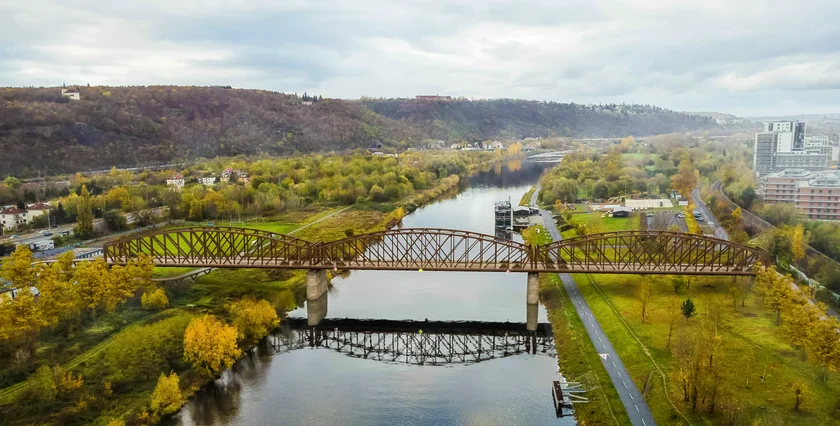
(752,348)
(757,364)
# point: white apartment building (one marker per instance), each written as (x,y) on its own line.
(782,145)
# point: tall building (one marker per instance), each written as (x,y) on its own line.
(816,194)
(763,152)
(782,145)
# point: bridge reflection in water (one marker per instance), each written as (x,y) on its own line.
(416,342)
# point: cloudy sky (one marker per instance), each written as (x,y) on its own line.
(747,57)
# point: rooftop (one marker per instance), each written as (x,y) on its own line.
(12,210)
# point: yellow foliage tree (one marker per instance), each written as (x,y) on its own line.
(92,282)
(167,397)
(797,243)
(58,299)
(515,148)
(686,178)
(210,345)
(17,268)
(155,300)
(254,319)
(823,344)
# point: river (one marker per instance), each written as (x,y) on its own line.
(302,377)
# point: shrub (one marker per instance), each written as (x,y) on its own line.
(154,301)
(210,345)
(253,319)
(167,397)
(141,352)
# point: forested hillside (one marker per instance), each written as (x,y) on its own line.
(43,132)
(514,118)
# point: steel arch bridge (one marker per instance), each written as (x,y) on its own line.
(432,249)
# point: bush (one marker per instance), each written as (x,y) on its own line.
(139,353)
(154,301)
(167,397)
(253,319)
(210,345)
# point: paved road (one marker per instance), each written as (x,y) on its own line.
(632,399)
(701,206)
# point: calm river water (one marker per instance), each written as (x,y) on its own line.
(294,384)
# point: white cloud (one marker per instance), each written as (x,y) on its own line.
(724,55)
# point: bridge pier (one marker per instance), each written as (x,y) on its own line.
(316,310)
(533,301)
(533,312)
(533,288)
(316,283)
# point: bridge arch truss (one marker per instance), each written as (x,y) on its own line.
(434,249)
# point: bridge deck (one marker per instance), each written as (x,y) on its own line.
(628,252)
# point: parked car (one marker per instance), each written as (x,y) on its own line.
(680,215)
(649,215)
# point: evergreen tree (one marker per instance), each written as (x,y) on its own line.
(688,309)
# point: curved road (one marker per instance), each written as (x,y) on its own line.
(701,206)
(633,401)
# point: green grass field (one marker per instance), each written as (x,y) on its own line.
(752,347)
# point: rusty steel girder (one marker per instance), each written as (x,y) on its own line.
(433,249)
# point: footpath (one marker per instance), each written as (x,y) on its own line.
(632,399)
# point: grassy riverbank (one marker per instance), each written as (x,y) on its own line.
(756,366)
(97,402)
(576,355)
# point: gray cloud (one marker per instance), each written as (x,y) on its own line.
(747,57)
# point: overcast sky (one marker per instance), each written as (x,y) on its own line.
(747,57)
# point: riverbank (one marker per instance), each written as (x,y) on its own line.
(209,294)
(755,367)
(577,357)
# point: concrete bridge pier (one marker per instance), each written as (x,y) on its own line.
(316,296)
(316,283)
(533,312)
(533,300)
(316,310)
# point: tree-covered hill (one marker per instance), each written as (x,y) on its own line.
(500,118)
(43,132)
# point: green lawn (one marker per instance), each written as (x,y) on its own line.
(611,224)
(746,333)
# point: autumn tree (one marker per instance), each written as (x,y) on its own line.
(155,300)
(686,178)
(823,344)
(800,391)
(91,282)
(779,294)
(800,317)
(84,215)
(58,298)
(140,352)
(253,319)
(210,345)
(167,397)
(644,293)
(798,242)
(673,314)
(17,268)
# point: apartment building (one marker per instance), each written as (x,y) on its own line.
(816,194)
(783,145)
